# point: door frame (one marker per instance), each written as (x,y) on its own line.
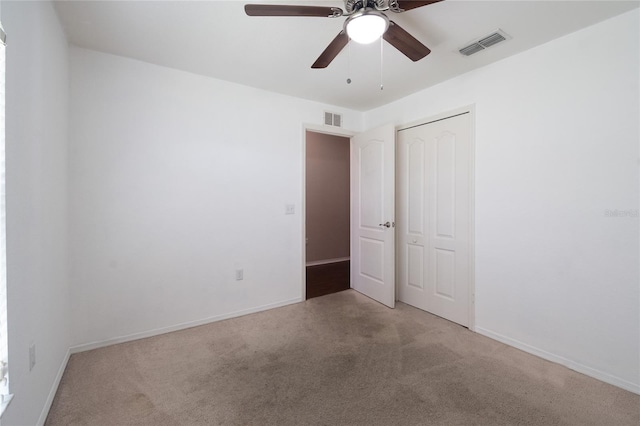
(471,110)
(326,130)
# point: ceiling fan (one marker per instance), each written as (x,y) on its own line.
(365,23)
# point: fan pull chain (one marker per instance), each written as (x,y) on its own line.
(381,63)
(349,61)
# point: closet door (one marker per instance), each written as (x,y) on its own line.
(434,217)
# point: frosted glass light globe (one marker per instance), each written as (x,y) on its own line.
(367,27)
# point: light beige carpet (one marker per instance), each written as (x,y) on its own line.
(341,359)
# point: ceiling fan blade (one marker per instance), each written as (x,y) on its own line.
(405,42)
(332,50)
(280,10)
(410,4)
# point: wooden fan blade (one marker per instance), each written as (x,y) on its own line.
(410,4)
(280,10)
(332,50)
(405,42)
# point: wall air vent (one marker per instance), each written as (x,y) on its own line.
(484,43)
(331,119)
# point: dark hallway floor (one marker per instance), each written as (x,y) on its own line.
(327,279)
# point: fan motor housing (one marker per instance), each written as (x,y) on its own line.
(351,6)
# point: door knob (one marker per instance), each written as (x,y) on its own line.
(387,224)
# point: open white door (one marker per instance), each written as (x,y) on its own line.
(372,214)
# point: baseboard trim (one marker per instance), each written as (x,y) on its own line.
(182,326)
(580,368)
(54,388)
(327,261)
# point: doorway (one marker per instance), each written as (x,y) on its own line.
(327,213)
(371,225)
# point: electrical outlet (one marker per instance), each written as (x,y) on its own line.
(32,356)
(289,209)
(239,274)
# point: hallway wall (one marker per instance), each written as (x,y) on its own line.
(327,197)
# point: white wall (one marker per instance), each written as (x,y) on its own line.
(176,180)
(556,146)
(37,87)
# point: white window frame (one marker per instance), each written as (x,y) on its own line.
(5,395)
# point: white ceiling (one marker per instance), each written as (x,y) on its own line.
(217,39)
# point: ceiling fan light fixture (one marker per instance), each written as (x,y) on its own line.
(366,26)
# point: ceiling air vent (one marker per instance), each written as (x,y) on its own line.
(331,119)
(484,43)
(471,49)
